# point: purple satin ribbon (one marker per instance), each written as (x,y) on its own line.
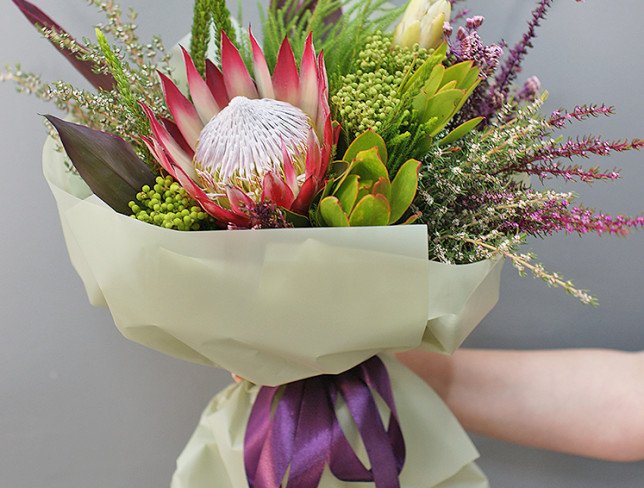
(294,428)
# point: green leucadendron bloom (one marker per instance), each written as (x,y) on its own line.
(362,193)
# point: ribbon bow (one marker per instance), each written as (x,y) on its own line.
(295,426)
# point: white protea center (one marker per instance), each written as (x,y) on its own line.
(246,140)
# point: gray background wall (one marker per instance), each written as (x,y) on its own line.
(81,406)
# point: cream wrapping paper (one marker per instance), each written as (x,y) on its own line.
(276,306)
(272,306)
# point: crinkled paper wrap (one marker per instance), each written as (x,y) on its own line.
(275,306)
(272,306)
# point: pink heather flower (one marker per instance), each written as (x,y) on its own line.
(583,148)
(530,91)
(242,141)
(469,46)
(551,169)
(559,118)
(555,216)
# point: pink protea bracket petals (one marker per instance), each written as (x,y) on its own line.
(184,113)
(277,191)
(171,147)
(286,81)
(262,74)
(239,201)
(215,82)
(236,77)
(309,80)
(176,134)
(324,111)
(305,197)
(203,99)
(314,158)
(220,214)
(331,136)
(290,173)
(159,154)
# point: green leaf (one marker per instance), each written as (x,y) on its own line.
(298,221)
(413,218)
(369,167)
(458,73)
(449,86)
(423,73)
(433,83)
(107,163)
(461,131)
(441,106)
(382,187)
(472,78)
(364,141)
(332,213)
(467,94)
(347,194)
(403,189)
(371,211)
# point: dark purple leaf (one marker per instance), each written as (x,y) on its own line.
(107,163)
(40,19)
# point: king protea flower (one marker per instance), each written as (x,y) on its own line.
(242,141)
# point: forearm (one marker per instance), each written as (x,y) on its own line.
(584,402)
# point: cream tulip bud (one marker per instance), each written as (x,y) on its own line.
(423,23)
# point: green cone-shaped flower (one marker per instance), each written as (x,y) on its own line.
(363,193)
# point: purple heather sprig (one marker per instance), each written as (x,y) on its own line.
(568,173)
(512,66)
(582,147)
(461,14)
(530,91)
(543,213)
(557,216)
(498,92)
(543,161)
(469,46)
(559,118)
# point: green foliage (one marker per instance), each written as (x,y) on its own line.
(455,174)
(209,13)
(200,37)
(406,95)
(341,41)
(370,97)
(444,93)
(123,84)
(136,62)
(222,22)
(168,205)
(362,194)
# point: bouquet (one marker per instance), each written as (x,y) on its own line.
(294,210)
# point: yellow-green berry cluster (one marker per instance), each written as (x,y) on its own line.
(168,205)
(369,95)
